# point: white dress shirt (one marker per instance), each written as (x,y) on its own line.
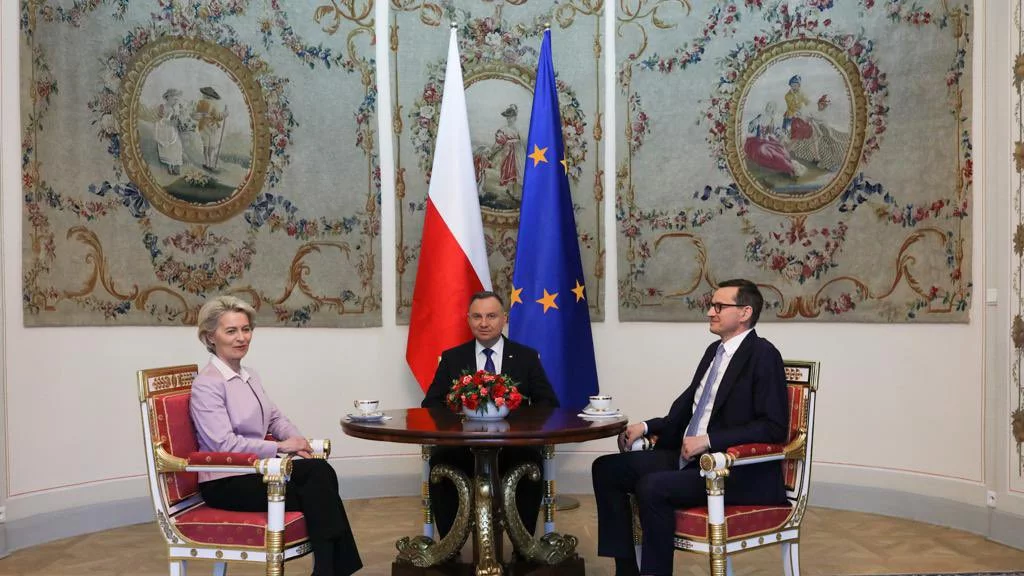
(481,358)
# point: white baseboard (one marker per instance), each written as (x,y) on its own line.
(49,526)
(1007,529)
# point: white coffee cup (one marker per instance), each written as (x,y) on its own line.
(600,403)
(366,406)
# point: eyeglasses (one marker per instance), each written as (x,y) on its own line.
(719,305)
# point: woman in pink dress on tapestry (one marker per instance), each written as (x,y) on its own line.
(512,148)
(763,147)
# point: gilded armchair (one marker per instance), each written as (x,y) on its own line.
(719,531)
(191,529)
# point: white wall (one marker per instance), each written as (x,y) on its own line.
(901,407)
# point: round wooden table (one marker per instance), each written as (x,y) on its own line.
(528,426)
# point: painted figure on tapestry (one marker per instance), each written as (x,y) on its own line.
(763,145)
(803,154)
(210,116)
(169,127)
(498,165)
(196,151)
(512,149)
(795,101)
(811,140)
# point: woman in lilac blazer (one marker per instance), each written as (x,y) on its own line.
(232,413)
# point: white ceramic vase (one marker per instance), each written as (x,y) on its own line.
(486,411)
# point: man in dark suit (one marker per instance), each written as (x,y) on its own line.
(737,396)
(488,350)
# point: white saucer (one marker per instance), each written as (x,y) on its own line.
(610,412)
(371,417)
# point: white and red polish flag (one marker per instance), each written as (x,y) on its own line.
(453,257)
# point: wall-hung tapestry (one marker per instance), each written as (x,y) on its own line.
(177,149)
(1015,387)
(818,147)
(499,43)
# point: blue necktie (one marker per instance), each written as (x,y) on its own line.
(489,363)
(705,395)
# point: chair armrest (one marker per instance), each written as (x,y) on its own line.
(641,443)
(222,459)
(219,462)
(754,454)
(321,447)
(745,451)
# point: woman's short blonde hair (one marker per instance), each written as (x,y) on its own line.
(210,313)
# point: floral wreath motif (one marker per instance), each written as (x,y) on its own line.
(851,54)
(734,128)
(489,54)
(277,114)
(148,59)
(140,50)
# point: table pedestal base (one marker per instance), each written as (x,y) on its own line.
(571,567)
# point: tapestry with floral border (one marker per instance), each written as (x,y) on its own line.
(821,148)
(173,150)
(1015,386)
(499,43)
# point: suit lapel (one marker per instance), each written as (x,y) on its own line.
(467,356)
(690,393)
(508,357)
(739,359)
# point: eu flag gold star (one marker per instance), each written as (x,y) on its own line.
(515,299)
(538,155)
(565,165)
(548,301)
(578,291)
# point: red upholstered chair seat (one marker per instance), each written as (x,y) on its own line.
(227,528)
(740,521)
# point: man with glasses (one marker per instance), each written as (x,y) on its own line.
(737,396)
(491,351)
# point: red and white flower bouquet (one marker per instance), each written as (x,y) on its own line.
(483,395)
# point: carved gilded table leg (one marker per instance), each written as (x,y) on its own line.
(486,462)
(422,551)
(551,548)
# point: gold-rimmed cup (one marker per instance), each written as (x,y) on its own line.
(601,403)
(366,407)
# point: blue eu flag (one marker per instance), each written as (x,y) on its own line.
(548,306)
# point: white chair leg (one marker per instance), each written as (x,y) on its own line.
(728,566)
(791,558)
(220,569)
(178,568)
